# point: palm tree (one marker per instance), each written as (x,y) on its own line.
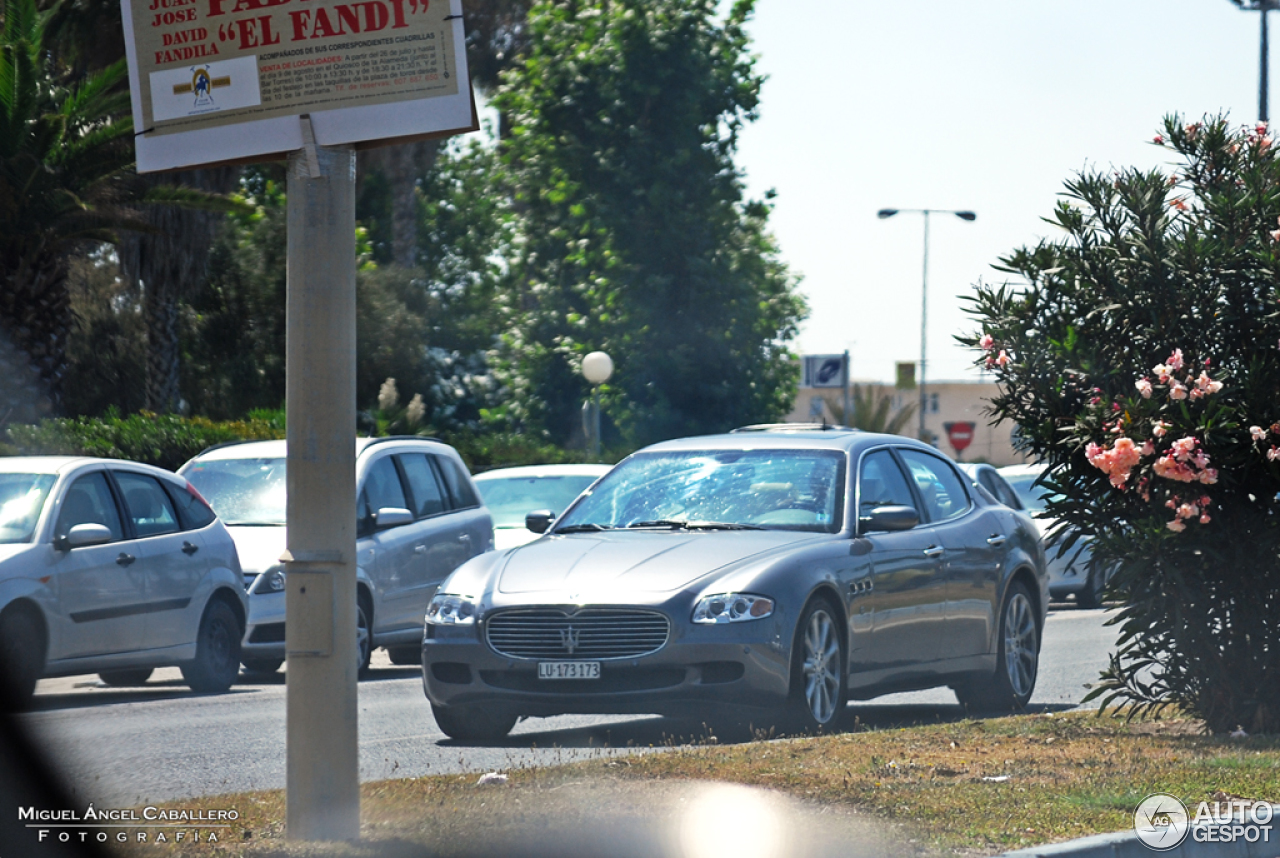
(870,409)
(66,183)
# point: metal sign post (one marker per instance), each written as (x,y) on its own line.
(322,771)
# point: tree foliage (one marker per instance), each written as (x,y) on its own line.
(1140,360)
(871,410)
(635,238)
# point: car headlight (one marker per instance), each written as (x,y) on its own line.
(271,581)
(731,608)
(447,609)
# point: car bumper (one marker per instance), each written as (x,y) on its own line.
(264,630)
(707,666)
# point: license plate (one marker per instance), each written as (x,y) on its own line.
(568,670)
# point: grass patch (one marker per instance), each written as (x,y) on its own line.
(973,786)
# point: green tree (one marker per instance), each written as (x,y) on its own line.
(634,236)
(872,411)
(1140,362)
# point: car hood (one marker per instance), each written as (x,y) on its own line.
(511,537)
(259,547)
(10,550)
(637,561)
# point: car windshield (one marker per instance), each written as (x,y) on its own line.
(769,489)
(509,499)
(1034,497)
(244,492)
(22,498)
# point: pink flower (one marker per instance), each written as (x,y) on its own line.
(1176,526)
(1175,359)
(1159,428)
(1158,140)
(1176,390)
(1258,433)
(1204,519)
(1208,476)
(1188,510)
(987,342)
(1162,372)
(1003,359)
(1144,387)
(1273,453)
(1207,385)
(1183,448)
(1275,235)
(1260,129)
(1178,203)
(1148,449)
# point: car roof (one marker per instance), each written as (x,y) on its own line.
(534,471)
(1021,470)
(847,440)
(276,449)
(63,464)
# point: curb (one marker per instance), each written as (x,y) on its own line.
(1125,844)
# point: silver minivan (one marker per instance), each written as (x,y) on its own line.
(419,518)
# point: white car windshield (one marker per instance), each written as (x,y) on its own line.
(22,498)
(243,492)
(717,489)
(509,499)
(1034,497)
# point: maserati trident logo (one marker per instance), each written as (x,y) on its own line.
(569,639)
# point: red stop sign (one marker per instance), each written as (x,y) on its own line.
(960,434)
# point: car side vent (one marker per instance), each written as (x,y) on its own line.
(589,633)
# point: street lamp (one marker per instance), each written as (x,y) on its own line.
(596,369)
(1263,6)
(924,289)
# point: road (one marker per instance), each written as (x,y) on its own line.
(126,747)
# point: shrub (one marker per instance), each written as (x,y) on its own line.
(1140,361)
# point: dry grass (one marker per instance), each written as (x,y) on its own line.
(973,786)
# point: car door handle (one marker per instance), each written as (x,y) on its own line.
(934,551)
(125,559)
(997,541)
(419,549)
(189,548)
(466,537)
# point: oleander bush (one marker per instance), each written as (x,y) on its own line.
(1140,357)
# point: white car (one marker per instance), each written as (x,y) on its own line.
(419,518)
(512,493)
(115,568)
(1069,568)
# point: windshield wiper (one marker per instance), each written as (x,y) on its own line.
(589,527)
(695,525)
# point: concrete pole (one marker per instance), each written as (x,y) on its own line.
(322,765)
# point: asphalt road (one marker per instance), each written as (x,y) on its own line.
(125,747)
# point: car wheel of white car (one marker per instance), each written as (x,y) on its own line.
(364,640)
(217,662)
(818,679)
(21,658)
(472,724)
(1017,660)
(125,678)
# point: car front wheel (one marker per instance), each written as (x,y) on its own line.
(21,658)
(217,662)
(818,681)
(1017,660)
(472,724)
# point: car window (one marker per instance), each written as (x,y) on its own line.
(509,499)
(1000,489)
(459,482)
(939,486)
(882,483)
(22,498)
(149,508)
(193,512)
(428,496)
(243,492)
(89,501)
(770,489)
(382,486)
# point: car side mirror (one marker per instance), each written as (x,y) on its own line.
(83,535)
(391,516)
(890,518)
(539,521)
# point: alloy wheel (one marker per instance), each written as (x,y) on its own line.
(821,667)
(1020,655)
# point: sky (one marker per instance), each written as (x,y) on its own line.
(986,105)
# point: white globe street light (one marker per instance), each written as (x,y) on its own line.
(596,368)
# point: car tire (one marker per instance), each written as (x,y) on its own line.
(472,724)
(364,640)
(1009,688)
(217,663)
(262,666)
(819,681)
(1090,595)
(126,678)
(22,651)
(405,655)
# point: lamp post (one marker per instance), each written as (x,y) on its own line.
(596,368)
(1262,6)
(924,291)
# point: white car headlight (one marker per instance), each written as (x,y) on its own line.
(731,608)
(447,609)
(271,581)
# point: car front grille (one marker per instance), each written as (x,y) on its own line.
(590,633)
